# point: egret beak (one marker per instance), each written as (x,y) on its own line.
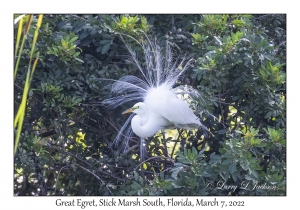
(128,110)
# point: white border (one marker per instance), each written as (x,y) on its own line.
(8,201)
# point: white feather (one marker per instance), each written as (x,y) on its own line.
(154,89)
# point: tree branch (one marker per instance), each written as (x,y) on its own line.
(154,158)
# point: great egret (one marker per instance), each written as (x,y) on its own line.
(158,106)
(161,110)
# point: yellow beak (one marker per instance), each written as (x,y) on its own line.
(128,110)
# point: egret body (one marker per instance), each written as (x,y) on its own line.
(161,110)
(157,106)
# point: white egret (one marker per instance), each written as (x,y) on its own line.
(161,110)
(158,106)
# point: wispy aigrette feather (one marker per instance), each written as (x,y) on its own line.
(158,77)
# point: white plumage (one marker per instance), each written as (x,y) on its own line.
(157,105)
(161,110)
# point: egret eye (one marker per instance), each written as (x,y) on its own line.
(136,107)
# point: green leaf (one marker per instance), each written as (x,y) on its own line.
(86,42)
(73,39)
(254,173)
(232,167)
(76,54)
(238,80)
(200,154)
(136,175)
(78,100)
(235,98)
(218,40)
(221,132)
(194,151)
(132,192)
(211,47)
(226,162)
(136,185)
(79,60)
(105,48)
(102,71)
(261,144)
(175,171)
(83,35)
(30,93)
(105,41)
(269,114)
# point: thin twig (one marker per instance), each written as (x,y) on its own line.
(167,169)
(76,16)
(58,178)
(89,172)
(110,174)
(179,135)
(222,113)
(131,148)
(153,158)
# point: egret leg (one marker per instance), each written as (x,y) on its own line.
(165,150)
(142,149)
(142,156)
(182,144)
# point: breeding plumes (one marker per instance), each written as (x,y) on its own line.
(158,105)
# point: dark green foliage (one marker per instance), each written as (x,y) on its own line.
(239,70)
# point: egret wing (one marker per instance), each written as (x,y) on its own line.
(179,113)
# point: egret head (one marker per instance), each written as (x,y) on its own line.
(139,108)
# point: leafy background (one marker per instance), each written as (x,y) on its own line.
(239,70)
